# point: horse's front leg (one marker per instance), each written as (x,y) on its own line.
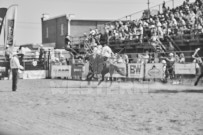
(103,75)
(89,77)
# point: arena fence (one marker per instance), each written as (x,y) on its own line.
(53,65)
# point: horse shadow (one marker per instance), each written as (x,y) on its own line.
(176,91)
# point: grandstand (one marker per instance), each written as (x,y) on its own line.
(177,29)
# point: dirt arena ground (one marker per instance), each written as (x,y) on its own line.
(58,107)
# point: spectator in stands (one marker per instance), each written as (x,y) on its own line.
(145,57)
(181,25)
(62,60)
(134,58)
(173,24)
(177,58)
(159,29)
(182,58)
(164,29)
(156,58)
(139,32)
(139,60)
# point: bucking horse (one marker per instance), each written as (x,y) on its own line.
(99,64)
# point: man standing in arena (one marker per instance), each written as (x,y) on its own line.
(15,66)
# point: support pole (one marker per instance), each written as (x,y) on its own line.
(148,3)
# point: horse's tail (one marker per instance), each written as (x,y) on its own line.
(119,71)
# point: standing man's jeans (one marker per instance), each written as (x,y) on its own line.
(7,68)
(14,79)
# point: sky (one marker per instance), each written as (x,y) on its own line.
(28,27)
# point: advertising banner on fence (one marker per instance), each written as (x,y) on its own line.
(135,70)
(77,71)
(60,71)
(154,70)
(34,74)
(185,68)
(122,68)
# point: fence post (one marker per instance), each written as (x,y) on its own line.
(48,65)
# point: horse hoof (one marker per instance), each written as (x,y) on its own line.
(100,82)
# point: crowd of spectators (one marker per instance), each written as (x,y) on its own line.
(156,58)
(183,19)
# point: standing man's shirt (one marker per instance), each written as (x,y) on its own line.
(14,63)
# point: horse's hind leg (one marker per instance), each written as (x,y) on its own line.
(111,77)
(101,79)
(89,77)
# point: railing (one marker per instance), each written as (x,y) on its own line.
(30,57)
